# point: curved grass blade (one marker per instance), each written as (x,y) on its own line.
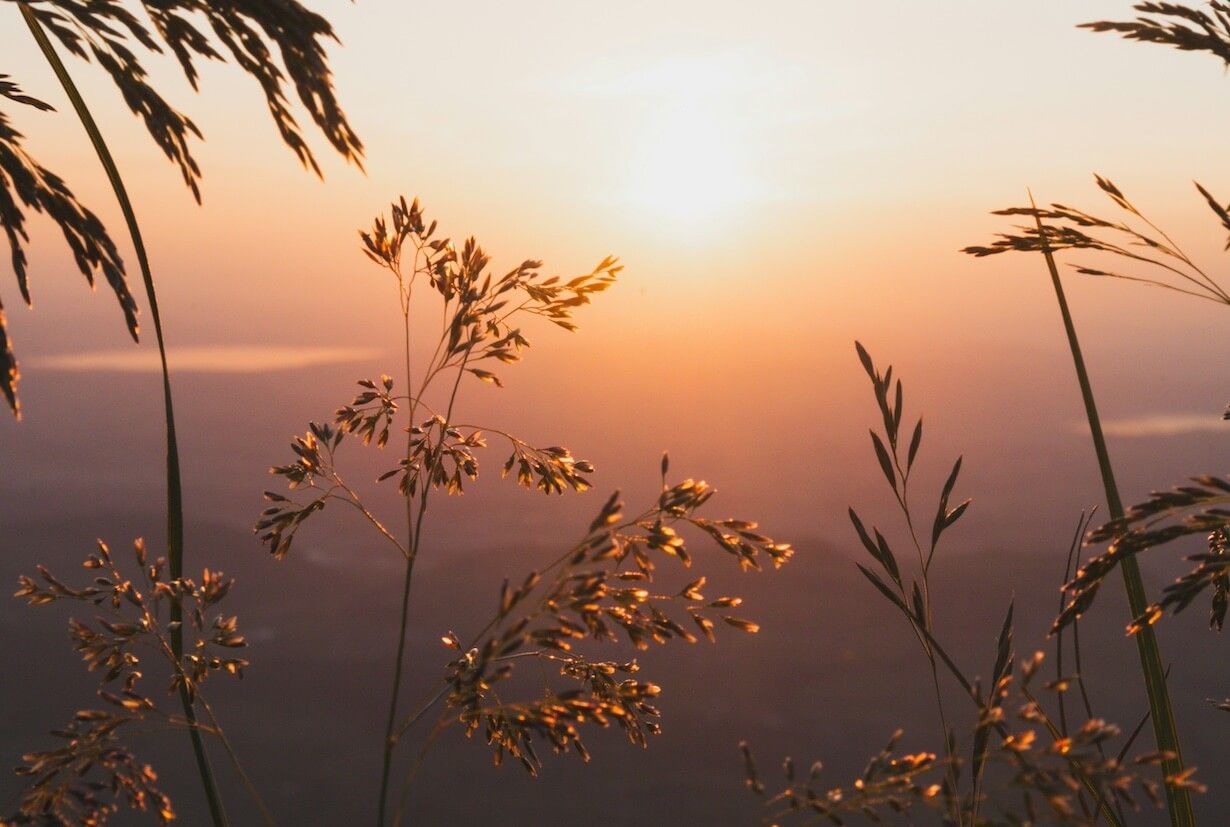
(175,505)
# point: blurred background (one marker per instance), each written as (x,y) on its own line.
(779,180)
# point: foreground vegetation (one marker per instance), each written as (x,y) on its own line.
(1063,772)
(1035,752)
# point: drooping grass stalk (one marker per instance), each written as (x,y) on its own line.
(1178,800)
(175,505)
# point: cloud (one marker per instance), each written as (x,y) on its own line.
(207,359)
(1162,425)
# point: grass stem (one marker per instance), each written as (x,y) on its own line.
(1178,801)
(175,506)
(390,735)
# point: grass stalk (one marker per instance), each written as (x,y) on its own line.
(390,734)
(971,690)
(175,505)
(412,529)
(1178,800)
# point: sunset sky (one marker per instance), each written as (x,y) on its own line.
(779,179)
(777,183)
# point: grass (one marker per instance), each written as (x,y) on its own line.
(901,783)
(1019,743)
(104,28)
(175,496)
(142,616)
(1161,713)
(914,603)
(1165,266)
(604,588)
(625,581)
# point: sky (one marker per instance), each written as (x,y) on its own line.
(778,180)
(777,184)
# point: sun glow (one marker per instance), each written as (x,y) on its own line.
(692,140)
(688,171)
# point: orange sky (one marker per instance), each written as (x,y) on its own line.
(819,150)
(778,181)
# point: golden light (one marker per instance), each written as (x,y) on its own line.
(689,172)
(690,154)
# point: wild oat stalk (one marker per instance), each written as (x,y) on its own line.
(1165,730)
(1178,26)
(896,469)
(1061,773)
(587,592)
(1066,228)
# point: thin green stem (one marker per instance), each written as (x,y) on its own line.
(1178,800)
(414,526)
(175,504)
(412,531)
(390,735)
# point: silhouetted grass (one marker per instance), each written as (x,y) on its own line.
(104,30)
(603,588)
(1089,786)
(1178,26)
(1064,773)
(93,774)
(175,498)
(607,587)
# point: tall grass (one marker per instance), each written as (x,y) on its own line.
(103,30)
(93,773)
(1154,259)
(606,586)
(1178,798)
(174,483)
(602,588)
(1064,773)
(915,605)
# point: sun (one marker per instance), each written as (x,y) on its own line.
(688,150)
(688,170)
